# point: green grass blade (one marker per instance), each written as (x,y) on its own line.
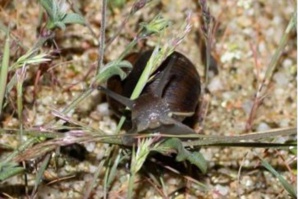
(16,152)
(94,179)
(290,189)
(9,169)
(4,71)
(145,75)
(111,170)
(40,172)
(283,42)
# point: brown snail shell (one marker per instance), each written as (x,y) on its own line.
(165,102)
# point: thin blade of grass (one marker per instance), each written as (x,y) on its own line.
(21,73)
(111,171)
(4,71)
(132,175)
(145,75)
(256,145)
(31,132)
(20,97)
(263,86)
(208,140)
(16,152)
(15,39)
(290,189)
(95,177)
(102,39)
(39,175)
(283,42)
(9,169)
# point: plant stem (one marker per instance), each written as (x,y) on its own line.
(101,48)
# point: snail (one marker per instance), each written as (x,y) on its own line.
(165,102)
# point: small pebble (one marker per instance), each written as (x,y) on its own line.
(90,146)
(263,127)
(247,105)
(222,190)
(281,79)
(215,84)
(103,109)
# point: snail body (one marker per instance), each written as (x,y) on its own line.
(165,102)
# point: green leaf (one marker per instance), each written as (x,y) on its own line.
(47,5)
(175,144)
(55,11)
(113,68)
(59,24)
(290,189)
(58,17)
(72,18)
(61,14)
